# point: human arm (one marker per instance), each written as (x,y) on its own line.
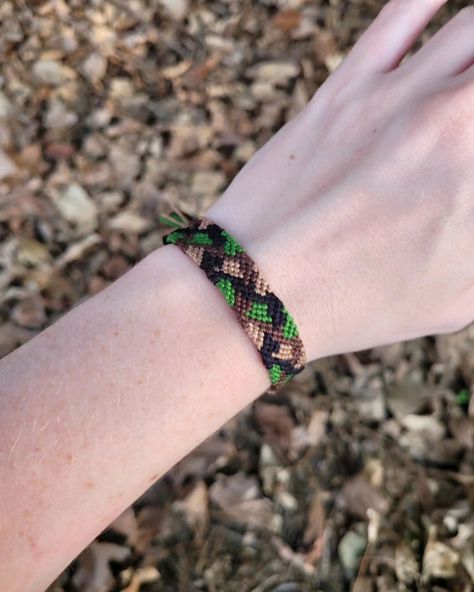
(103,402)
(358,212)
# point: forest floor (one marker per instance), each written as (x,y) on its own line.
(359,474)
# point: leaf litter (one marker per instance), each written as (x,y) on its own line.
(359,473)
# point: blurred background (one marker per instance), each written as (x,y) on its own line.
(359,474)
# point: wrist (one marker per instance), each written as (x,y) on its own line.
(202,317)
(288,267)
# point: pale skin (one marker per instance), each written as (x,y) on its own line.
(359,212)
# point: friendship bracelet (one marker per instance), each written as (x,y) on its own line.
(261,313)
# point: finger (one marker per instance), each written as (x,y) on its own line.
(394,31)
(448,52)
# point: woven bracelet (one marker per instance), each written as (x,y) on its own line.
(261,313)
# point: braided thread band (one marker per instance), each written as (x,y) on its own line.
(261,313)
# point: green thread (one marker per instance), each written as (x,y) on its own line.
(201,238)
(174,220)
(231,246)
(290,329)
(251,306)
(174,237)
(259,312)
(275,373)
(227,289)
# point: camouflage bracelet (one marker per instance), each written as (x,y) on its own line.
(261,313)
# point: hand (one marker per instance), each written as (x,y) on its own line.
(360,211)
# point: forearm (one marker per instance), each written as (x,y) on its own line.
(358,213)
(102,403)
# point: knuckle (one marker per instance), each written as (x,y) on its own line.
(465,15)
(392,5)
(335,94)
(451,107)
(395,6)
(431,110)
(423,114)
(436,119)
(463,95)
(456,104)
